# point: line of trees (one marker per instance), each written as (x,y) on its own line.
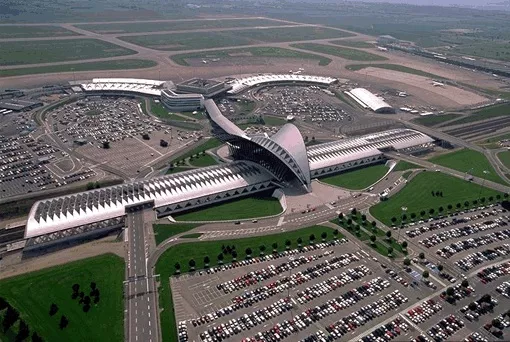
(11,316)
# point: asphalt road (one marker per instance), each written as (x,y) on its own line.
(141,297)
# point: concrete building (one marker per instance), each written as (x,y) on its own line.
(367,99)
(181,102)
(208,88)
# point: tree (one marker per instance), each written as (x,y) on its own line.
(96,299)
(192,264)
(491,198)
(354,211)
(374,224)
(275,247)
(90,186)
(23,331)
(450,291)
(36,337)
(93,285)
(341,217)
(3,303)
(465,283)
(248,252)
(106,145)
(425,274)
(363,217)
(505,195)
(475,202)
(458,205)
(335,233)
(86,300)
(207,260)
(404,217)
(373,238)
(422,213)
(11,316)
(421,255)
(440,267)
(433,193)
(431,211)
(388,235)
(472,306)
(312,239)
(390,251)
(299,242)
(234,256)
(53,309)
(482,200)
(287,244)
(324,235)
(496,322)
(407,261)
(357,230)
(349,222)
(441,209)
(393,220)
(262,248)
(220,258)
(498,196)
(466,204)
(413,216)
(450,207)
(404,244)
(177,268)
(64,322)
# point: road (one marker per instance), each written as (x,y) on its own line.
(141,292)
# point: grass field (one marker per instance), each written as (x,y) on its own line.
(353,43)
(274,121)
(164,231)
(177,169)
(485,113)
(273,52)
(36,31)
(357,179)
(235,209)
(219,39)
(343,52)
(203,160)
(120,64)
(182,253)
(205,145)
(432,120)
(417,196)
(47,51)
(505,158)
(177,25)
(492,143)
(394,67)
(468,160)
(33,293)
(404,166)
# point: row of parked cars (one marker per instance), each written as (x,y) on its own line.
(445,328)
(464,245)
(492,273)
(332,284)
(423,312)
(504,289)
(477,258)
(387,332)
(475,337)
(454,233)
(182,332)
(394,275)
(274,256)
(459,292)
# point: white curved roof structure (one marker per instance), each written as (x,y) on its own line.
(60,213)
(124,85)
(371,101)
(243,84)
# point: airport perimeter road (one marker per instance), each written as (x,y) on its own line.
(140,290)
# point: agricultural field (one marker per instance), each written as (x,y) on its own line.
(272,52)
(417,196)
(182,253)
(394,67)
(484,113)
(432,120)
(219,39)
(135,27)
(236,209)
(468,160)
(494,50)
(343,52)
(119,64)
(35,31)
(32,294)
(47,51)
(357,179)
(165,231)
(353,43)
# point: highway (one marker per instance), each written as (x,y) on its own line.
(141,292)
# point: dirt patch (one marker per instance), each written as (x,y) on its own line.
(459,96)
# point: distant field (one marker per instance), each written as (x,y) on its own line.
(178,25)
(120,64)
(394,67)
(417,196)
(33,293)
(219,39)
(273,52)
(274,121)
(350,54)
(488,49)
(505,158)
(432,120)
(485,113)
(493,142)
(468,160)
(353,43)
(47,51)
(404,166)
(38,31)
(357,179)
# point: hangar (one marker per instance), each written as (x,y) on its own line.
(367,99)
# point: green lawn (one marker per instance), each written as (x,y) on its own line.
(505,158)
(432,120)
(417,195)
(353,43)
(403,166)
(220,39)
(406,174)
(177,170)
(274,121)
(203,160)
(485,113)
(468,160)
(120,64)
(164,231)
(158,109)
(357,179)
(493,142)
(46,51)
(182,253)
(33,293)
(343,52)
(178,25)
(35,31)
(394,67)
(191,236)
(273,52)
(235,209)
(205,145)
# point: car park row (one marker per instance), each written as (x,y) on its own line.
(423,312)
(445,328)
(464,245)
(387,332)
(477,258)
